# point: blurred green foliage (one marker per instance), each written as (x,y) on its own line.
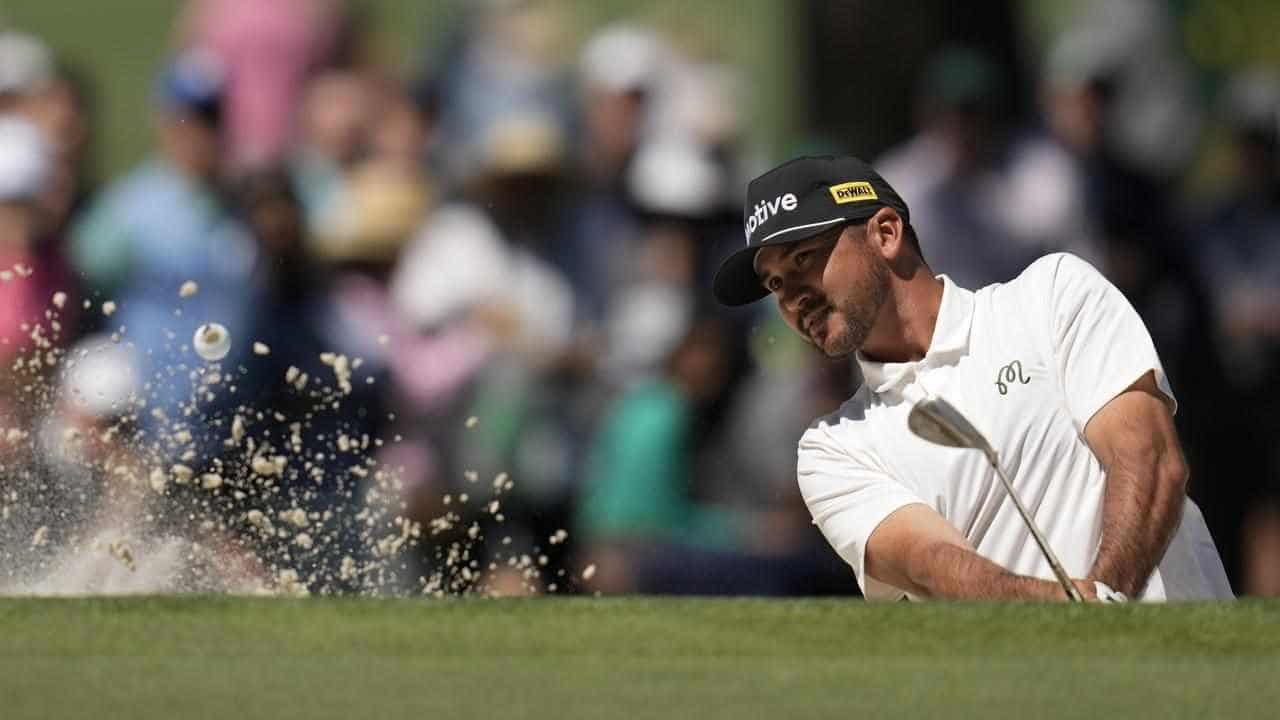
(1229,34)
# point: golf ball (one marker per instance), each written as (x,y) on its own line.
(211,341)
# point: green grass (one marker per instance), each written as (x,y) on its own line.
(631,658)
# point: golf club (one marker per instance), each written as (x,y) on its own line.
(938,421)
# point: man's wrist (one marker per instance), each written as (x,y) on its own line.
(1114,578)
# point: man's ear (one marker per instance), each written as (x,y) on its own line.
(885,232)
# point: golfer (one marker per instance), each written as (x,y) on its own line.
(1055,368)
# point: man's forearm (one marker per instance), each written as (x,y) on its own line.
(946,571)
(1134,439)
(1141,510)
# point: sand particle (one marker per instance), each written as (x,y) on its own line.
(296,517)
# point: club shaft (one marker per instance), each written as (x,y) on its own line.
(1067,585)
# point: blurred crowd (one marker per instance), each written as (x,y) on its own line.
(519,251)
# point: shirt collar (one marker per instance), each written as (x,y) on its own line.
(950,340)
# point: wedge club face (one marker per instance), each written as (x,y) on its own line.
(939,422)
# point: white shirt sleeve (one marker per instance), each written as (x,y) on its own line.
(848,498)
(1100,343)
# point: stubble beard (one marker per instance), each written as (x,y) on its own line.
(858,311)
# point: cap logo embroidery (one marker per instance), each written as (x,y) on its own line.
(766,209)
(858,191)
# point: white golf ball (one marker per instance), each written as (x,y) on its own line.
(212,341)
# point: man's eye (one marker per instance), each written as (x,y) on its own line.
(802,258)
(773,284)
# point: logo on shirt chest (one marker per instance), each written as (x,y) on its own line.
(1010,375)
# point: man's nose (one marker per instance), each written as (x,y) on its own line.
(796,297)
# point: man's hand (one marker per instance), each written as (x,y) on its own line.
(1087,589)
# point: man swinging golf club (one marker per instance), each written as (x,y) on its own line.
(1053,376)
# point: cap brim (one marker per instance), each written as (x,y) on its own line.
(736,282)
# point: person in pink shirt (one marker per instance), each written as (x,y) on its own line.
(26,282)
(268,49)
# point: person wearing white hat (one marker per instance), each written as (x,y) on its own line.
(24,160)
(26,66)
(167,222)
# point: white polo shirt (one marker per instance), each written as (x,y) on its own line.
(1028,362)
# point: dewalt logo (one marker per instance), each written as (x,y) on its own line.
(852,192)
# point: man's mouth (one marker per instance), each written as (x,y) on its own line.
(810,323)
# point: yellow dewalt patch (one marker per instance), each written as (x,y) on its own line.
(852,192)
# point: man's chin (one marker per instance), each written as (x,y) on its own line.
(835,343)
(835,346)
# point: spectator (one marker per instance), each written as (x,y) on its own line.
(333,127)
(63,111)
(373,153)
(748,459)
(31,329)
(474,285)
(639,519)
(26,69)
(499,277)
(992,200)
(27,284)
(267,50)
(637,493)
(165,224)
(500,60)
(1237,248)
(298,319)
(385,190)
(34,92)
(619,73)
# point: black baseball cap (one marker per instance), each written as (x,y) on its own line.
(795,201)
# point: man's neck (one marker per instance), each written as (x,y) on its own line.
(904,330)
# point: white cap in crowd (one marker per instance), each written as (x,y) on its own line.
(26,64)
(623,58)
(673,175)
(24,159)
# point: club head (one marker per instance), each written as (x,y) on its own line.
(938,421)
